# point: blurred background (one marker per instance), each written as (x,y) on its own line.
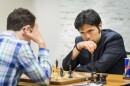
(56,20)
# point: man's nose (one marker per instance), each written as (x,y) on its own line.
(87,36)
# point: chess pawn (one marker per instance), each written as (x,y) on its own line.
(70,72)
(58,73)
(103,78)
(61,72)
(98,78)
(54,72)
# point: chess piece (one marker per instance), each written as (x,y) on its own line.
(92,77)
(55,72)
(61,72)
(93,69)
(53,75)
(103,78)
(56,63)
(70,72)
(58,73)
(98,78)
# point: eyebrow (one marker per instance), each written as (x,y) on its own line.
(86,31)
(90,30)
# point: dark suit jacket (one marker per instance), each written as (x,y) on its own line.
(108,56)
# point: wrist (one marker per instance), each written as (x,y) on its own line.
(41,45)
(77,47)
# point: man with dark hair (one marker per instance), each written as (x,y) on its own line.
(16,55)
(104,46)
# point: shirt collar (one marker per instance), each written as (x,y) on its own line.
(8,34)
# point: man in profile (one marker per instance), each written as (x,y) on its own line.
(104,46)
(16,55)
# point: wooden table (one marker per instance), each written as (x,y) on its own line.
(116,80)
(112,80)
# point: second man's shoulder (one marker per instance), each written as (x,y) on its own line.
(111,34)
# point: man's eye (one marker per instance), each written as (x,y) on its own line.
(90,31)
(81,32)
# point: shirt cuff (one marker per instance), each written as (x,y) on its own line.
(43,49)
(43,53)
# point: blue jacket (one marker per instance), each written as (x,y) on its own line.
(108,56)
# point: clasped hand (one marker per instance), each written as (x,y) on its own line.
(89,45)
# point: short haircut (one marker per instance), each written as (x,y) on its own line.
(89,16)
(19,18)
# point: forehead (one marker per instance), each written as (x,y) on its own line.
(86,27)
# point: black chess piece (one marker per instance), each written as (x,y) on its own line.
(103,78)
(61,72)
(92,77)
(98,78)
(70,72)
(92,80)
(56,63)
(70,69)
(93,69)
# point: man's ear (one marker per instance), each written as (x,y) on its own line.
(30,30)
(26,29)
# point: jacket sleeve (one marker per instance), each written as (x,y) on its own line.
(113,51)
(67,60)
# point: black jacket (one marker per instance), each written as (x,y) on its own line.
(108,56)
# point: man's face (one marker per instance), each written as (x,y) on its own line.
(89,32)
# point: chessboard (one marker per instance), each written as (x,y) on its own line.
(61,77)
(58,79)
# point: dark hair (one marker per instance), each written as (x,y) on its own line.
(89,16)
(19,18)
